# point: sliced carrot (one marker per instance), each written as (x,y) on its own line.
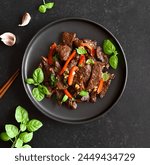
(67,62)
(51,53)
(71,74)
(82,60)
(67,93)
(100,86)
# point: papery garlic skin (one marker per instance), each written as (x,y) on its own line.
(25,19)
(8,38)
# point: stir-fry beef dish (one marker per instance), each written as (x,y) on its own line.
(76,70)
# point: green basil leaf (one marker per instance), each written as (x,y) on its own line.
(30,81)
(26,146)
(113,61)
(38,75)
(64,99)
(42,9)
(90,61)
(81,50)
(43,89)
(4,136)
(53,80)
(56,57)
(108,47)
(49,5)
(37,94)
(83,93)
(21,115)
(22,127)
(26,137)
(19,143)
(105,76)
(33,125)
(11,130)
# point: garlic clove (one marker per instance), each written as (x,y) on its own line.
(8,38)
(25,19)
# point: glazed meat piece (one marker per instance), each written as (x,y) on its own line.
(93,97)
(46,69)
(95,77)
(106,86)
(63,51)
(91,43)
(72,104)
(68,38)
(82,76)
(73,62)
(78,42)
(101,56)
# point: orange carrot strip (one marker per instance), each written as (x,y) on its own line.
(51,53)
(67,93)
(67,62)
(82,60)
(71,74)
(100,86)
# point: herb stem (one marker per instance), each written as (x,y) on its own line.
(13,145)
(44,2)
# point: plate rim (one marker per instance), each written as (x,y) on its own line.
(23,71)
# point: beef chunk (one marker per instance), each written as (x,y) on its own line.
(57,66)
(73,62)
(82,76)
(68,38)
(95,77)
(72,104)
(93,97)
(63,51)
(77,42)
(101,56)
(106,86)
(46,69)
(91,43)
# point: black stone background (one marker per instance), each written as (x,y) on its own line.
(128,123)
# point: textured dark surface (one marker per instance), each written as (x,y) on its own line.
(128,123)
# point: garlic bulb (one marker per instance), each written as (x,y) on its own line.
(8,38)
(25,19)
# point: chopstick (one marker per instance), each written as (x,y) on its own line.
(8,83)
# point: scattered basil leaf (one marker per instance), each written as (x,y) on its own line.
(64,99)
(83,93)
(4,136)
(53,80)
(38,75)
(22,127)
(19,143)
(81,50)
(33,125)
(90,61)
(37,94)
(26,137)
(105,76)
(113,61)
(108,47)
(43,89)
(21,115)
(42,9)
(49,5)
(30,81)
(11,130)
(26,146)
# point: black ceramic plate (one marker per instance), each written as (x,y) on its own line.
(39,46)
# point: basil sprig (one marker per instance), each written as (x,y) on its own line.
(20,136)
(110,49)
(40,90)
(43,8)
